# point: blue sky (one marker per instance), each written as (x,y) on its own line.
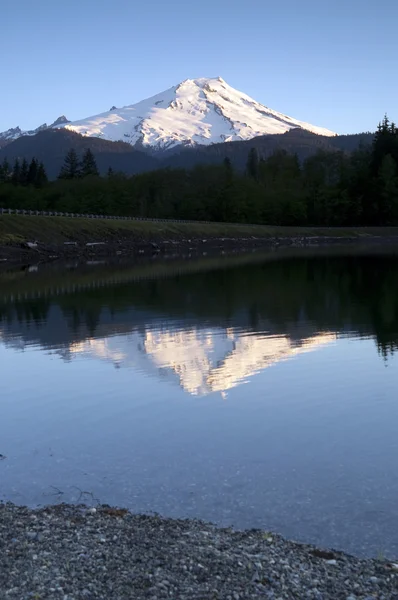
(332,63)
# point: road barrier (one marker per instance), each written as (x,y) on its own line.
(53,213)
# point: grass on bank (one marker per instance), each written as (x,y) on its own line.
(57,230)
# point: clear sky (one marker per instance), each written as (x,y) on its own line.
(333,63)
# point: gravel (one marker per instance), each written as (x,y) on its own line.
(71,552)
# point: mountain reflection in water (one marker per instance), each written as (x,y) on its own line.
(215,328)
(98,362)
(201,361)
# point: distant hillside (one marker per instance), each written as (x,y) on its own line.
(296,141)
(349,143)
(51,146)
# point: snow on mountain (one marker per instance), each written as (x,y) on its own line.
(16,132)
(201,361)
(197,111)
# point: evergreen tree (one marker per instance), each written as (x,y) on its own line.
(5,171)
(23,174)
(32,172)
(388,186)
(252,164)
(71,166)
(359,193)
(41,176)
(229,170)
(89,165)
(329,188)
(227,164)
(385,142)
(16,172)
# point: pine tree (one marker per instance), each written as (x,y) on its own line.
(23,174)
(89,165)
(385,142)
(388,189)
(71,166)
(16,172)
(110,173)
(252,164)
(229,171)
(41,176)
(32,172)
(5,171)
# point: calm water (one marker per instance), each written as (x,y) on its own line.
(258,393)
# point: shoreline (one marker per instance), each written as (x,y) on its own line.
(27,239)
(77,552)
(38,252)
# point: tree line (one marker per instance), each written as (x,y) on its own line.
(332,293)
(327,189)
(34,173)
(23,173)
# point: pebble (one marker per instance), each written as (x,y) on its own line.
(148,557)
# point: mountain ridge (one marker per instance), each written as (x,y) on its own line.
(14,133)
(199,111)
(51,145)
(195,112)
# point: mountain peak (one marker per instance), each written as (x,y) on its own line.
(60,121)
(198,111)
(10,135)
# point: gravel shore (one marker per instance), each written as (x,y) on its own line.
(75,552)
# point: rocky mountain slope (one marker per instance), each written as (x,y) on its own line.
(195,112)
(6,137)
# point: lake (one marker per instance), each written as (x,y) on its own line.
(256,391)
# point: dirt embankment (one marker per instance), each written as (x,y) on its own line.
(37,239)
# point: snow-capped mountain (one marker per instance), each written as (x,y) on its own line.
(201,361)
(196,111)
(16,132)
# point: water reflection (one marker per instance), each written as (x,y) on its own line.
(201,361)
(246,317)
(98,363)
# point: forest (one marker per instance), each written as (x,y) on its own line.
(326,189)
(333,293)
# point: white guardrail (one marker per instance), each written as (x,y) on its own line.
(53,213)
